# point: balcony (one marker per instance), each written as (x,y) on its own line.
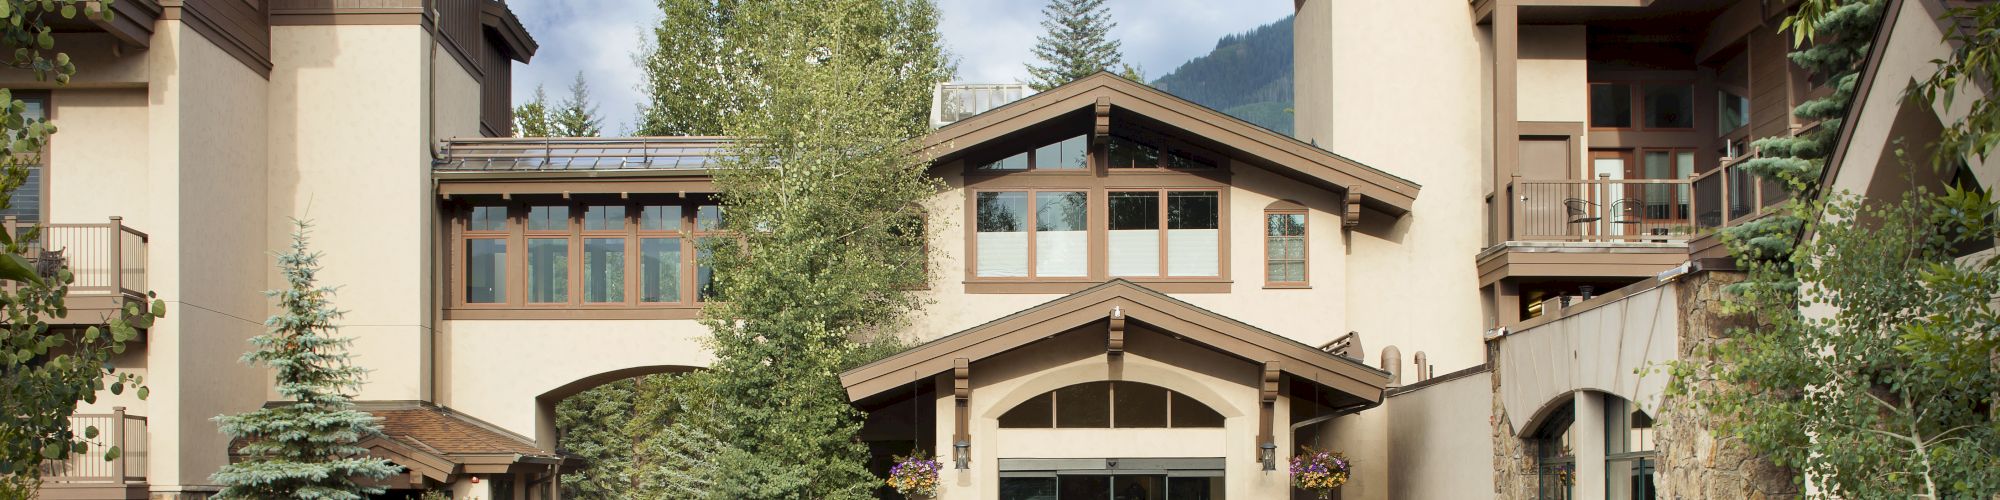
(1604,210)
(107,261)
(88,475)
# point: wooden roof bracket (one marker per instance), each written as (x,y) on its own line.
(1351,211)
(1103,126)
(1267,408)
(961,395)
(1115,340)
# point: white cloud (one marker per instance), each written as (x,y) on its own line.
(991,40)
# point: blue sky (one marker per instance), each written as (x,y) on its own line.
(990,39)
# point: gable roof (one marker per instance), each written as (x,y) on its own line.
(1283,154)
(1093,305)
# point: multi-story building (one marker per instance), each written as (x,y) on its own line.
(191,133)
(1511,201)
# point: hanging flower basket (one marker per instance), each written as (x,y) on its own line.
(1319,472)
(915,476)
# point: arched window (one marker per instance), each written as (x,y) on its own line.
(1117,405)
(1629,457)
(1555,459)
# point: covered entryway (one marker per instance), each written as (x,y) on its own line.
(1116,391)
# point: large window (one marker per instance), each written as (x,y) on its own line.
(1555,459)
(1284,246)
(1052,240)
(1165,233)
(586,252)
(1653,105)
(1115,405)
(1629,456)
(1066,154)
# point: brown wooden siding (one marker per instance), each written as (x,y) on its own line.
(1770,85)
(496,92)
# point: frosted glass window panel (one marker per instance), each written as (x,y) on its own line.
(1062,239)
(660,261)
(1193,252)
(604,269)
(1135,252)
(1001,221)
(1193,242)
(1003,255)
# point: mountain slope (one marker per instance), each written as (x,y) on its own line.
(1247,75)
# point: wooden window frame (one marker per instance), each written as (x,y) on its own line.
(1223,261)
(1637,96)
(514,304)
(1305,236)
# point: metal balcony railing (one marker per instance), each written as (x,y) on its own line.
(106,259)
(1601,210)
(127,432)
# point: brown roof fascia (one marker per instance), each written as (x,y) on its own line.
(1140,304)
(1380,190)
(500,20)
(420,461)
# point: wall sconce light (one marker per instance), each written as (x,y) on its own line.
(1270,452)
(961,454)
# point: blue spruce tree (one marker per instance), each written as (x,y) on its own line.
(304,449)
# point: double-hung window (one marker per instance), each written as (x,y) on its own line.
(1285,247)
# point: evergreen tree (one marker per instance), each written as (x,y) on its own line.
(531,119)
(1887,389)
(593,425)
(45,373)
(305,448)
(577,117)
(842,96)
(1076,44)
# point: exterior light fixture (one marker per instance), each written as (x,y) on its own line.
(1270,452)
(961,454)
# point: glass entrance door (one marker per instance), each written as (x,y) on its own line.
(1110,487)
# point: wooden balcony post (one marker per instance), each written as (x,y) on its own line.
(118,439)
(115,254)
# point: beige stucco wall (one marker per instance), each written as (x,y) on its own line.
(1411,281)
(1914,43)
(348,151)
(97,159)
(101,61)
(1225,384)
(1609,349)
(1438,442)
(207,257)
(1554,83)
(454,96)
(495,369)
(1252,190)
